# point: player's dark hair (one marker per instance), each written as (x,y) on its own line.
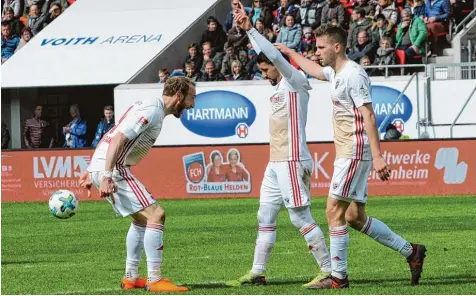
(262,58)
(108,108)
(177,84)
(334,32)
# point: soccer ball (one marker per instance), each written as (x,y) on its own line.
(63,204)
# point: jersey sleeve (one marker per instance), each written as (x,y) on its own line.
(136,122)
(327,71)
(291,74)
(359,89)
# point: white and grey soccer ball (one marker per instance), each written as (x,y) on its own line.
(63,204)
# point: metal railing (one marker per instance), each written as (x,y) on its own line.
(400,96)
(461,111)
(463,23)
(452,71)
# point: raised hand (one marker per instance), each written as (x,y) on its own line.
(241,18)
(283,48)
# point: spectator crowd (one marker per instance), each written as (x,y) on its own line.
(23,19)
(380,32)
(38,132)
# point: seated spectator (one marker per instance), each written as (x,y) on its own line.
(238,73)
(308,40)
(38,131)
(194,56)
(5,136)
(43,6)
(333,13)
(411,34)
(239,40)
(385,55)
(381,28)
(9,42)
(286,8)
(366,6)
(14,6)
(36,21)
(230,56)
(364,62)
(54,12)
(26,36)
(75,132)
(15,25)
(290,35)
(260,11)
(417,7)
(214,35)
(210,55)
(104,125)
(163,75)
(388,9)
(211,73)
(265,31)
(311,13)
(230,22)
(363,48)
(192,72)
(359,23)
(437,17)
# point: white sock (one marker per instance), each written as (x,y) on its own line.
(339,238)
(153,244)
(317,245)
(134,246)
(380,232)
(264,244)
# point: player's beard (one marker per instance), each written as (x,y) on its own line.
(329,61)
(179,108)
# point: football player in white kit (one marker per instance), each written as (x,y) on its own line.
(357,145)
(287,176)
(122,147)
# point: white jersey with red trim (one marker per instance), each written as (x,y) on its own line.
(141,124)
(350,89)
(287,123)
(289,104)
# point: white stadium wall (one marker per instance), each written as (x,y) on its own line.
(237,112)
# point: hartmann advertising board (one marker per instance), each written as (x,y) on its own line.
(419,168)
(238,113)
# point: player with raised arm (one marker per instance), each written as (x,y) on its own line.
(287,176)
(357,145)
(122,147)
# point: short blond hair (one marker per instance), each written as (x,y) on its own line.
(176,84)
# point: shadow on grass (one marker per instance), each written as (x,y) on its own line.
(424,282)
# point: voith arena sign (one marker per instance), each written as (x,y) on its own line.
(96,40)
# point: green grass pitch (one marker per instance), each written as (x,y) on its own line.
(210,241)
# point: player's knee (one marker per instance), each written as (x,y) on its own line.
(267,214)
(300,217)
(157,216)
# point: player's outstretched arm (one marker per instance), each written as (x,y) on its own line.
(306,65)
(261,44)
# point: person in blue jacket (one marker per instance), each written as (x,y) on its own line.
(10,41)
(104,125)
(75,132)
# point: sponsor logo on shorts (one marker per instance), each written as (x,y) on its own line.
(219,176)
(220,114)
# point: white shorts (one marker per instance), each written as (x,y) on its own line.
(288,183)
(350,179)
(131,196)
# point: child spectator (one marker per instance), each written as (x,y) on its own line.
(192,72)
(9,42)
(214,35)
(308,40)
(195,56)
(163,75)
(290,35)
(381,28)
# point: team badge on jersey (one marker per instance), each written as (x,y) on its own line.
(363,92)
